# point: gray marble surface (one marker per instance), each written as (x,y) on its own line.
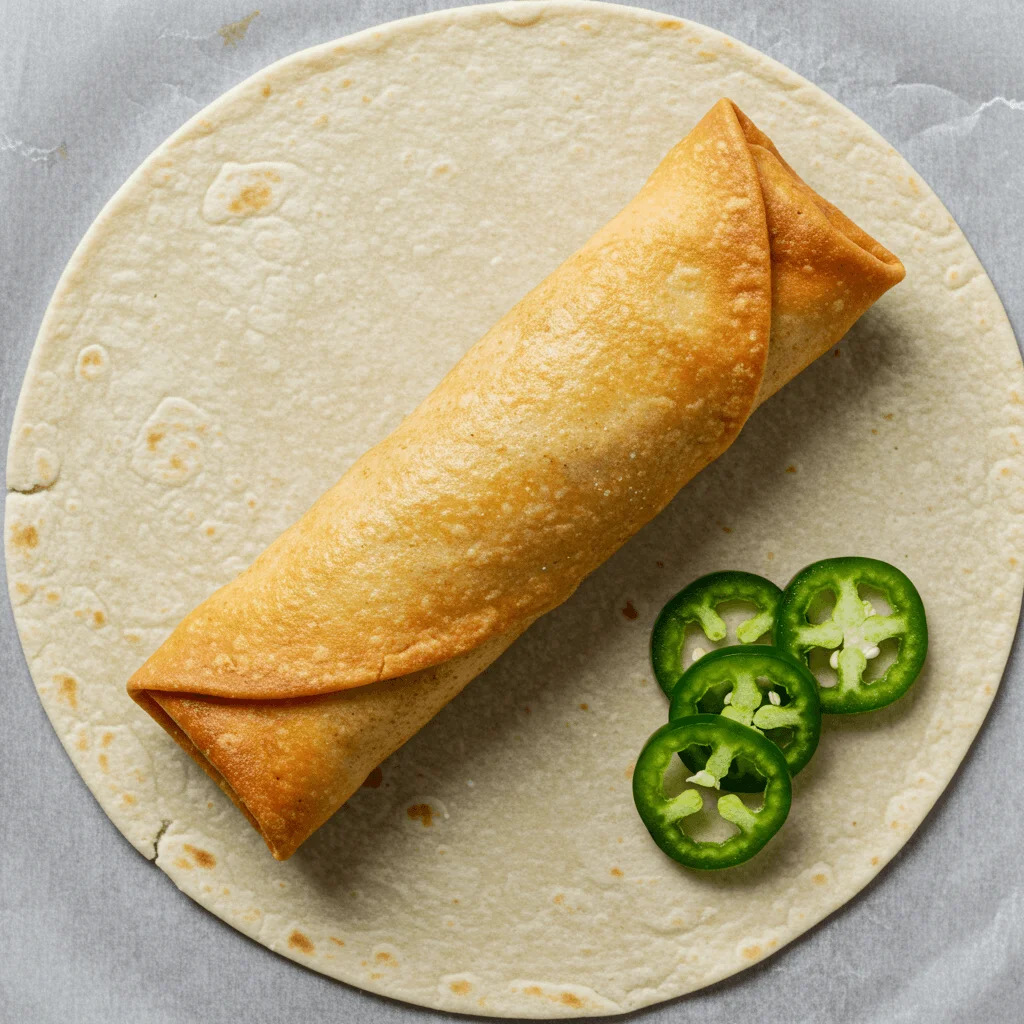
(92,932)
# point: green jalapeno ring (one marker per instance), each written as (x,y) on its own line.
(698,603)
(727,740)
(729,678)
(855,630)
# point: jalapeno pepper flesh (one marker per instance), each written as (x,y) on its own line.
(761,687)
(699,603)
(854,630)
(725,741)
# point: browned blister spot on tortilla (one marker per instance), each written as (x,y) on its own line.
(128,799)
(560,898)
(108,738)
(791,469)
(387,959)
(374,779)
(629,611)
(819,878)
(251,198)
(99,618)
(67,690)
(751,952)
(302,943)
(24,536)
(266,90)
(616,872)
(336,941)
(153,438)
(584,707)
(203,858)
(874,861)
(83,742)
(565,998)
(461,987)
(670,26)
(422,812)
(104,762)
(183,863)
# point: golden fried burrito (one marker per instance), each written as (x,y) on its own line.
(565,429)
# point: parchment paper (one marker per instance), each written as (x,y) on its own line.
(87,89)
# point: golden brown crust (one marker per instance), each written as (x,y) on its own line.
(565,429)
(558,435)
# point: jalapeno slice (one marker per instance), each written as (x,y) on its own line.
(721,741)
(855,630)
(761,687)
(699,603)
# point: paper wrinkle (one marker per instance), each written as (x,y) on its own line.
(188,36)
(858,73)
(961,123)
(35,154)
(927,988)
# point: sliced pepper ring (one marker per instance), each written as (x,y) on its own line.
(743,683)
(699,603)
(855,630)
(726,740)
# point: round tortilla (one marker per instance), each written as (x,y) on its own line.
(285,279)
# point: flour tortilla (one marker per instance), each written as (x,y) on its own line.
(556,437)
(500,866)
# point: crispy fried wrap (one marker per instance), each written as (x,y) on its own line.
(558,435)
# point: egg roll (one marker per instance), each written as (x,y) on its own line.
(557,436)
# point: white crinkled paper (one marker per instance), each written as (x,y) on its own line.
(794,423)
